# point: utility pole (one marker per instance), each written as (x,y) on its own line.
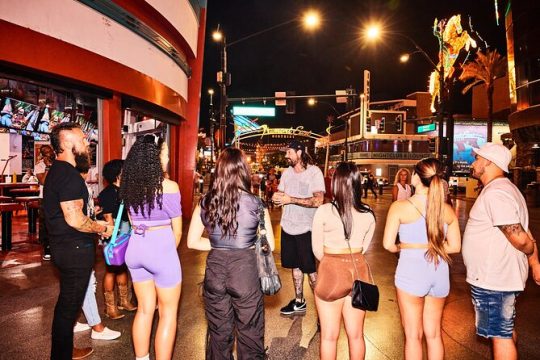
(224,80)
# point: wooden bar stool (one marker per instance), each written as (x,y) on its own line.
(7,211)
(31,204)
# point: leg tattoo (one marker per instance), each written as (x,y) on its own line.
(312,280)
(298,281)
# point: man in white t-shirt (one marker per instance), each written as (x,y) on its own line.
(300,192)
(498,249)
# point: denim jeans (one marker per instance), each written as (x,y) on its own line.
(495,312)
(89,307)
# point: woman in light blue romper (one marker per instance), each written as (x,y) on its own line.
(428,232)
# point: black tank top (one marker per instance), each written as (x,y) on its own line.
(247,217)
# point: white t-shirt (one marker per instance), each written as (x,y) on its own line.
(297,219)
(40,168)
(492,262)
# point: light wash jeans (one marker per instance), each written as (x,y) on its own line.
(89,307)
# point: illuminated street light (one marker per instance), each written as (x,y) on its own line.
(211,91)
(373,32)
(311,20)
(217,36)
(404,58)
(311,102)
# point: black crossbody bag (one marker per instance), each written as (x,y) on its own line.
(365,296)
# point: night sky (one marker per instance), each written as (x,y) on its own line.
(334,57)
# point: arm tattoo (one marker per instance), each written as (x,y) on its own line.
(75,217)
(511,230)
(312,202)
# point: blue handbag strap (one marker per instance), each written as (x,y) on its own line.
(117,223)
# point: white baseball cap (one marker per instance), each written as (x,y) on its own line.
(496,153)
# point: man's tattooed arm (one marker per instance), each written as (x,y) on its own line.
(518,237)
(313,202)
(75,217)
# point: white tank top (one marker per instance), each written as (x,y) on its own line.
(403,192)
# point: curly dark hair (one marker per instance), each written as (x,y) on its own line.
(142,175)
(112,169)
(221,202)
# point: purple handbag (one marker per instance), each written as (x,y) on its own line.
(115,251)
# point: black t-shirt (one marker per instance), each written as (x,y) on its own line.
(110,202)
(64,183)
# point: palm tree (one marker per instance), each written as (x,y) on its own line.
(484,70)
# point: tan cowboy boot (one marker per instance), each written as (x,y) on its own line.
(125,303)
(110,306)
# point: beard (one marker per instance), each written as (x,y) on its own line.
(82,161)
(477,174)
(292,162)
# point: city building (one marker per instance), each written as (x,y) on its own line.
(118,68)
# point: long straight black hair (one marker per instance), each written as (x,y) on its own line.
(347,193)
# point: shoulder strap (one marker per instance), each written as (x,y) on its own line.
(117,223)
(417,209)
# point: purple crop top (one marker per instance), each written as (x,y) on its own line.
(158,217)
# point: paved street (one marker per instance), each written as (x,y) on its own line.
(28,293)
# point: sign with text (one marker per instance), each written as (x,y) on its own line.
(267,111)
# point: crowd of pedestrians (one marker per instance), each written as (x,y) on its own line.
(324,241)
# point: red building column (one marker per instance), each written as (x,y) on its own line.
(184,136)
(112,128)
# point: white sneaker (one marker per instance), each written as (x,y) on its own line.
(80,327)
(106,334)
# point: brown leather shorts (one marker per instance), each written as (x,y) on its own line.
(336,274)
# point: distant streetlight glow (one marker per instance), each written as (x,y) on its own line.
(211,91)
(404,58)
(373,32)
(312,20)
(311,101)
(217,35)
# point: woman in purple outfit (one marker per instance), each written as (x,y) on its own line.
(154,209)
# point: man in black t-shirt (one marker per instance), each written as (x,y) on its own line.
(71,234)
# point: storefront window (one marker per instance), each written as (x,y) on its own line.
(28,112)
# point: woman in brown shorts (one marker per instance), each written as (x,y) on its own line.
(345,215)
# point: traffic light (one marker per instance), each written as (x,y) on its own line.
(290,106)
(351,99)
(382,124)
(368,124)
(432,144)
(399,122)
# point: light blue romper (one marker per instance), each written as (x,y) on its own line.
(414,274)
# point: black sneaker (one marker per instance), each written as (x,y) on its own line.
(294,307)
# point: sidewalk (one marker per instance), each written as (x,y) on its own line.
(28,293)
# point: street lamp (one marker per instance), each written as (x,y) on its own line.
(310,20)
(373,32)
(212,122)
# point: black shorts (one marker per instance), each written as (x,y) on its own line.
(296,252)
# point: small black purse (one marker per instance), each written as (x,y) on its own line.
(365,296)
(268,273)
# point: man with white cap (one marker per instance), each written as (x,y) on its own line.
(497,246)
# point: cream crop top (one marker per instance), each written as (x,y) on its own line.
(328,230)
